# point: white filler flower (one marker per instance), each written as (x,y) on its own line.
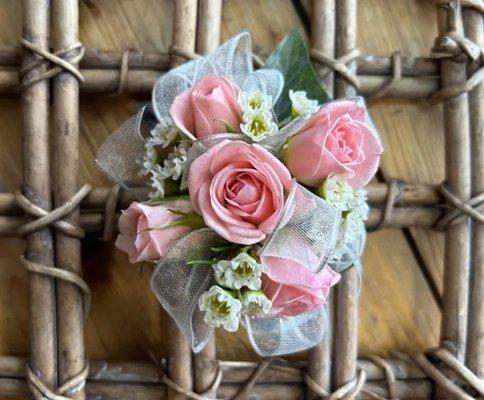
(254,100)
(359,204)
(258,124)
(175,164)
(337,192)
(241,271)
(255,303)
(301,105)
(157,180)
(221,309)
(163,133)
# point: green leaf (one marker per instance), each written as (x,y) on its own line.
(192,220)
(162,200)
(291,58)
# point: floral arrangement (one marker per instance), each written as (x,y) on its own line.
(257,202)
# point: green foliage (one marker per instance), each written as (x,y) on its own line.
(291,58)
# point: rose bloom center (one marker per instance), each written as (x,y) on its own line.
(344,140)
(243,190)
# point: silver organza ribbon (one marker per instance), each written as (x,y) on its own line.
(306,233)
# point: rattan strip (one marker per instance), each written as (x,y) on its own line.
(64,60)
(54,218)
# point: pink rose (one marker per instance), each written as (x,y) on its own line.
(239,189)
(338,139)
(143,233)
(293,289)
(207,108)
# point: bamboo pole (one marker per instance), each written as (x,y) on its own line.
(457,237)
(415,390)
(209,19)
(185,27)
(347,292)
(37,188)
(140,82)
(141,379)
(208,40)
(474,27)
(323,23)
(180,361)
(235,372)
(65,31)
(10,56)
(402,217)
(411,195)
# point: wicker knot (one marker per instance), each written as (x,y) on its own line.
(337,65)
(348,391)
(242,394)
(460,209)
(453,45)
(430,362)
(42,392)
(394,193)
(63,60)
(54,217)
(477,5)
(390,84)
(124,67)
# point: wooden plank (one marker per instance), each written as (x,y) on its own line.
(411,131)
(125,318)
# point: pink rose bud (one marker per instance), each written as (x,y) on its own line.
(146,232)
(294,289)
(239,189)
(338,139)
(209,107)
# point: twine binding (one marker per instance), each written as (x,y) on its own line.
(460,209)
(42,392)
(394,193)
(453,45)
(388,86)
(338,65)
(54,217)
(63,60)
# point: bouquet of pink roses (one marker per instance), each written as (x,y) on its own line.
(256,201)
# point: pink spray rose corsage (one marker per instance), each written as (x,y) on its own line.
(237,145)
(338,139)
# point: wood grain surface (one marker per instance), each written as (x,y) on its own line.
(398,309)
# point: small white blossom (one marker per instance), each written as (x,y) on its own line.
(163,133)
(157,180)
(254,100)
(301,105)
(242,271)
(258,124)
(359,205)
(350,228)
(175,164)
(221,308)
(337,192)
(149,161)
(255,303)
